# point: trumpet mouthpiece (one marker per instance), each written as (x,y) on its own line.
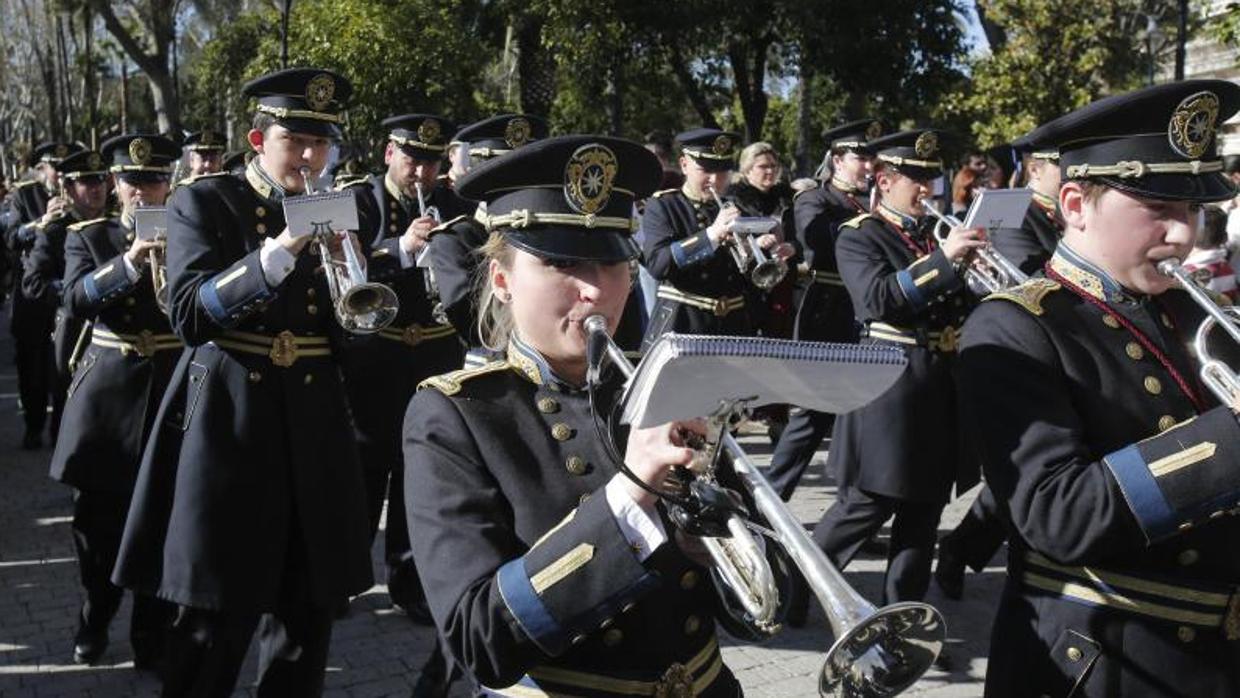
(595,323)
(1168,266)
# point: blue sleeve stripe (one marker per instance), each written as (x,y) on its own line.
(91,288)
(911,292)
(210,299)
(527,608)
(1145,499)
(678,254)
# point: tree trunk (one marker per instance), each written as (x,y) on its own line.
(749,73)
(615,98)
(160,23)
(535,69)
(805,120)
(694,91)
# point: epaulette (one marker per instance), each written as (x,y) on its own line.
(855,221)
(24,183)
(1028,295)
(448,224)
(76,227)
(450,383)
(195,178)
(350,181)
(664,192)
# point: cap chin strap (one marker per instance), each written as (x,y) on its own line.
(286,113)
(524,218)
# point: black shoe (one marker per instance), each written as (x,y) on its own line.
(32,441)
(405,591)
(949,573)
(89,646)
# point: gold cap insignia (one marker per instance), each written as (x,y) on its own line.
(94,162)
(927,144)
(319,91)
(429,131)
(1191,130)
(62,151)
(874,130)
(722,145)
(139,151)
(517,133)
(588,177)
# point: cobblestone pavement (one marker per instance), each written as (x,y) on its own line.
(375,651)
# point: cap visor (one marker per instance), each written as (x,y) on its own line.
(581,244)
(712,165)
(1213,186)
(313,127)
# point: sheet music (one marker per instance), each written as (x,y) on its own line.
(305,215)
(150,222)
(999,208)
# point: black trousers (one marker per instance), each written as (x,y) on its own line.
(981,532)
(206,647)
(805,431)
(32,334)
(404,585)
(857,516)
(98,522)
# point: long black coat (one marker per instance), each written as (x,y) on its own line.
(42,281)
(249,457)
(115,392)
(678,253)
(1031,245)
(28,204)
(1120,495)
(825,313)
(903,444)
(526,571)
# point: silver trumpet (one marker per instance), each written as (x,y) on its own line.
(432,286)
(1217,376)
(877,651)
(763,270)
(361,306)
(988,271)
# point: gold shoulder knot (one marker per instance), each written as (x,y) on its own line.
(1028,295)
(664,192)
(195,178)
(350,181)
(448,224)
(78,227)
(855,221)
(451,383)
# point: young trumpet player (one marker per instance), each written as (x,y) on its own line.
(249,510)
(118,382)
(548,572)
(1119,470)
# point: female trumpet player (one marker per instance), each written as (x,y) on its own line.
(546,570)
(115,389)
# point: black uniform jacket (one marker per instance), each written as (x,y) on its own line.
(28,202)
(1123,571)
(1031,246)
(122,375)
(681,257)
(252,458)
(825,312)
(382,370)
(906,293)
(454,256)
(527,572)
(42,281)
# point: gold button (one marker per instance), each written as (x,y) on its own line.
(261,229)
(312,309)
(692,623)
(548,405)
(129,237)
(392,204)
(1185,633)
(561,431)
(308,379)
(1075,655)
(310,293)
(392,228)
(1110,321)
(629,607)
(576,465)
(1135,352)
(260,211)
(1187,557)
(1165,422)
(255,376)
(688,580)
(578,639)
(1152,385)
(1166,320)
(613,637)
(582,499)
(130,301)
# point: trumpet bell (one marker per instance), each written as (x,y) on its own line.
(368,307)
(884,654)
(768,274)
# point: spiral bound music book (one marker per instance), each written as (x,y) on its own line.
(316,213)
(688,376)
(150,222)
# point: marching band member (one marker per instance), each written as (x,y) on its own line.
(206,152)
(1120,472)
(116,388)
(547,571)
(250,504)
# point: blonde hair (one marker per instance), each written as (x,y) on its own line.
(494,318)
(753,151)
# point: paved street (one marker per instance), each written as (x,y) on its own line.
(375,651)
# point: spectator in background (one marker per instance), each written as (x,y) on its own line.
(760,188)
(1208,260)
(1231,168)
(660,144)
(964,184)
